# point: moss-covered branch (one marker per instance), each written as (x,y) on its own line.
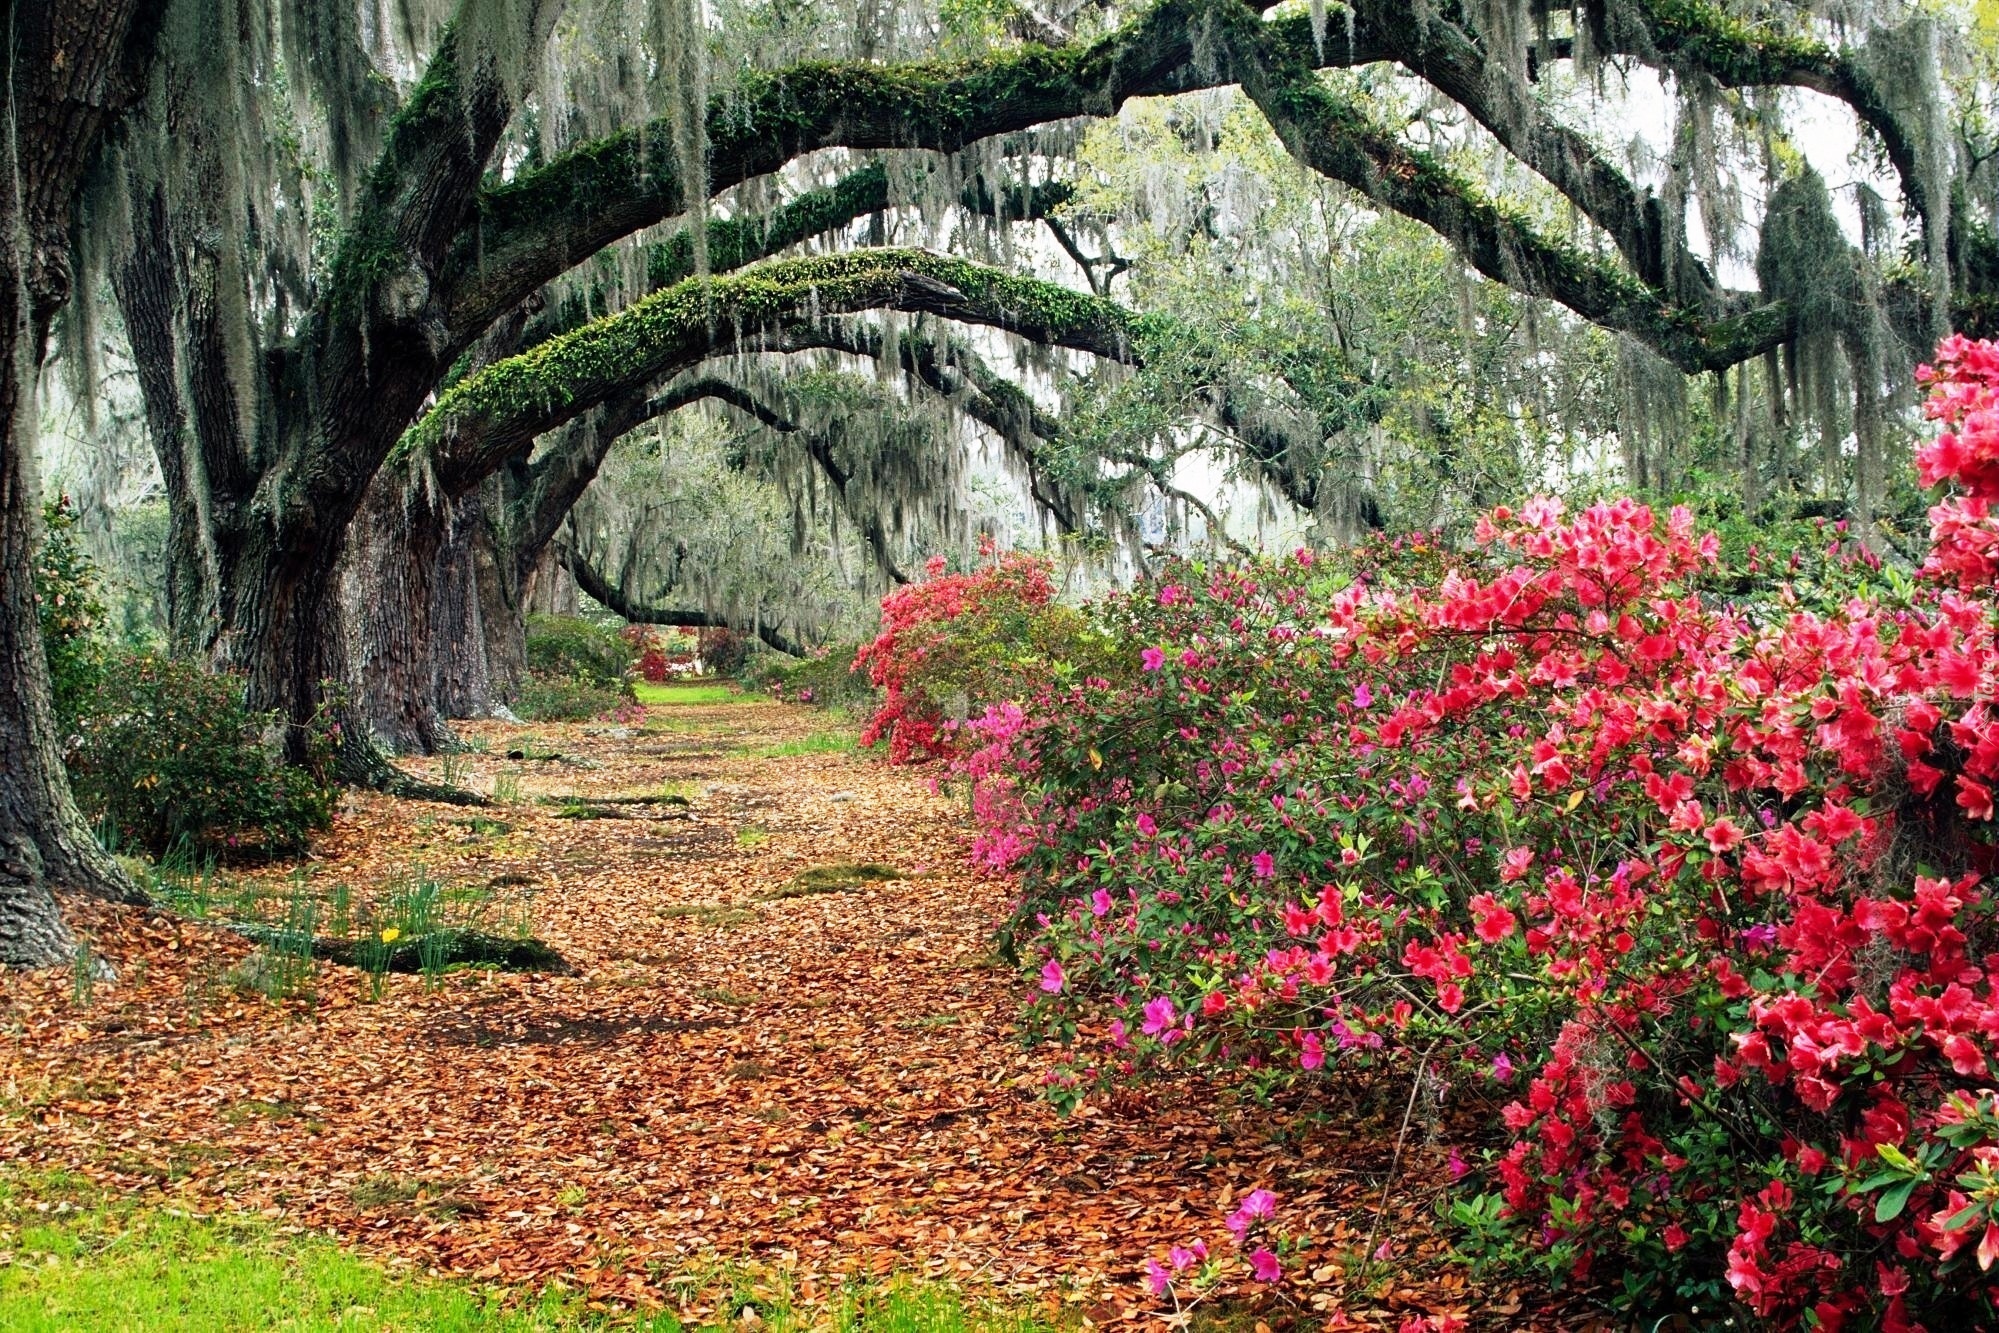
(1338,139)
(957,374)
(488,415)
(1485,84)
(1701,37)
(544,221)
(732,244)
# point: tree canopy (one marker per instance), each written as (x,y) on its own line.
(393,280)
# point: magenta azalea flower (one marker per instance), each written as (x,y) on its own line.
(1265,865)
(1051,977)
(1154,658)
(1264,1266)
(1159,1016)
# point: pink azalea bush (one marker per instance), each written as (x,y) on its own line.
(1687,870)
(951,643)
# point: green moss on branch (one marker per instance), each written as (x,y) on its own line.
(506,404)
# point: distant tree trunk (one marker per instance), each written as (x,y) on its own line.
(79,66)
(146,287)
(548,588)
(502,604)
(462,666)
(391,567)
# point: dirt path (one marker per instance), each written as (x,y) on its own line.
(816,1083)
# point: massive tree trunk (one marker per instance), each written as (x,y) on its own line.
(37,816)
(421,583)
(67,72)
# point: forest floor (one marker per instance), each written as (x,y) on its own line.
(748,1073)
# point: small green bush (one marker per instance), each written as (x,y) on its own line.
(71,609)
(547,698)
(827,679)
(571,647)
(165,755)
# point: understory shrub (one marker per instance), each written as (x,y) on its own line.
(578,669)
(70,607)
(827,678)
(954,642)
(164,755)
(723,651)
(568,698)
(1683,864)
(576,648)
(655,658)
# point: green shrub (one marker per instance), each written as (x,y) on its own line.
(546,698)
(71,610)
(571,647)
(827,679)
(166,755)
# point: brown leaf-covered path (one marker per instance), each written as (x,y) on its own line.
(815,1083)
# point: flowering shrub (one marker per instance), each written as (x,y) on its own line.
(723,651)
(825,678)
(952,642)
(1693,877)
(1188,1274)
(652,660)
(575,648)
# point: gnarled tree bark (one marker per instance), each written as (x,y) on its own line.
(68,72)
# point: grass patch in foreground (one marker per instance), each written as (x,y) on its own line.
(652,695)
(79,1264)
(157,1272)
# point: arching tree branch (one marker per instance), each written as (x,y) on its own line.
(544,221)
(640,612)
(1697,37)
(557,479)
(491,414)
(736,242)
(1336,138)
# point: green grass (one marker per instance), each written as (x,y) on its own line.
(157,1272)
(77,1261)
(653,696)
